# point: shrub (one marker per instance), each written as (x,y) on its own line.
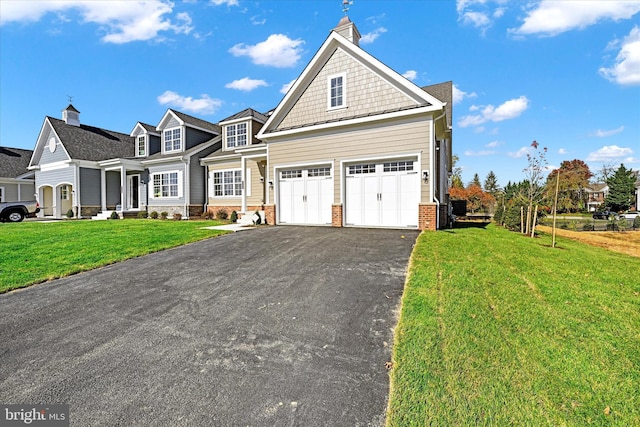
(208,215)
(636,222)
(114,215)
(154,215)
(221,215)
(177,216)
(564,226)
(142,214)
(587,227)
(259,219)
(163,215)
(70,213)
(234,217)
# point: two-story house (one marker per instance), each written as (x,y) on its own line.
(87,170)
(352,143)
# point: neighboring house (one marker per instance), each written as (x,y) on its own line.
(17,183)
(352,143)
(597,193)
(89,170)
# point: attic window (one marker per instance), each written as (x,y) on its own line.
(237,135)
(337,91)
(141,149)
(172,140)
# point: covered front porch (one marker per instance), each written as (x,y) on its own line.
(123,187)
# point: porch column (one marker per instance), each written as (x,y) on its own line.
(123,187)
(243,171)
(103,190)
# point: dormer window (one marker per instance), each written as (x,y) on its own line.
(236,135)
(172,140)
(336,91)
(141,146)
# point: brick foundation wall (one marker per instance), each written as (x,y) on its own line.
(270,214)
(250,210)
(336,215)
(427,217)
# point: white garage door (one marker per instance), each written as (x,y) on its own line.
(382,194)
(305,196)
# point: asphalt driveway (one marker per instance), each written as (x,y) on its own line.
(287,326)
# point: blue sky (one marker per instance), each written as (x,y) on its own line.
(564,73)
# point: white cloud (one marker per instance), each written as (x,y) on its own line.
(255,21)
(609,153)
(478,153)
(246,84)
(626,69)
(459,95)
(123,23)
(552,17)
(605,133)
(522,152)
(508,110)
(410,74)
(477,19)
(227,2)
(285,87)
(277,51)
(373,35)
(203,105)
(562,151)
(494,144)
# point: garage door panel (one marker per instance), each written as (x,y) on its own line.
(382,194)
(306,198)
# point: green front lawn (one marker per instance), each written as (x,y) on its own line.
(32,252)
(497,329)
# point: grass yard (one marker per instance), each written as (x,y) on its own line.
(498,329)
(33,252)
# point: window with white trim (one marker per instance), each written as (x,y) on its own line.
(295,173)
(360,169)
(227,183)
(64,192)
(313,172)
(336,91)
(165,185)
(399,166)
(172,139)
(237,135)
(141,146)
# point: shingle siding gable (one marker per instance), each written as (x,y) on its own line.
(366,93)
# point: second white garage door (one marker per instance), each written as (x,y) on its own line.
(305,196)
(384,194)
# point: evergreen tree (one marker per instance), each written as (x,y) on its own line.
(491,184)
(456,177)
(475,182)
(621,189)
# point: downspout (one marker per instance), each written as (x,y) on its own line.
(432,150)
(205,207)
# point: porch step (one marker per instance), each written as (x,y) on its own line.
(102,216)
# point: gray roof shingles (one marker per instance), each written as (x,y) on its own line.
(248,112)
(91,143)
(14,162)
(194,121)
(444,93)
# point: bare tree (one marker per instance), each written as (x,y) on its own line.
(534,173)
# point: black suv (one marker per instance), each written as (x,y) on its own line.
(602,214)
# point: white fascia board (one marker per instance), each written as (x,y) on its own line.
(164,160)
(166,117)
(128,164)
(261,147)
(144,130)
(240,120)
(344,123)
(208,160)
(55,165)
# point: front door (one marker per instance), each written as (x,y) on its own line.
(133,193)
